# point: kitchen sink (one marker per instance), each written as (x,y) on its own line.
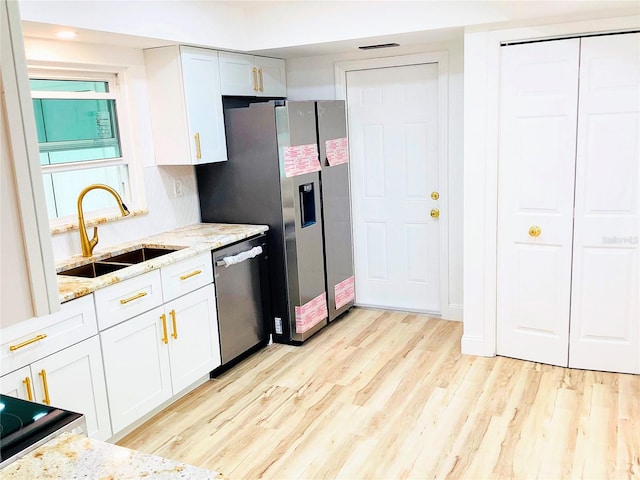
(140,255)
(112,264)
(93,270)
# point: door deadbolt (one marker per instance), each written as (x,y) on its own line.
(435,195)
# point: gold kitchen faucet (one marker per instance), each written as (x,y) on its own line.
(89,245)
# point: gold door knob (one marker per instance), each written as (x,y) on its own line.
(535,231)
(435,195)
(435,213)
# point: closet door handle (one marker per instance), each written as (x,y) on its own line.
(261,80)
(535,231)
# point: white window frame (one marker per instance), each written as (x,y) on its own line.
(114,78)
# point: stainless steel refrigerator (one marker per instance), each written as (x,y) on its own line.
(288,168)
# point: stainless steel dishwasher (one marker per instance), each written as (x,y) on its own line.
(243,299)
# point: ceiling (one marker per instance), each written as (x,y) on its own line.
(300,28)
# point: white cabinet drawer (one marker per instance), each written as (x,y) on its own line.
(126,299)
(186,276)
(26,342)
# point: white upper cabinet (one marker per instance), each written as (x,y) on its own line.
(186,105)
(249,75)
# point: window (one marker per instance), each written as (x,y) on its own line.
(79,138)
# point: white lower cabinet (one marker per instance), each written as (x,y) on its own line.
(194,348)
(153,356)
(136,364)
(71,379)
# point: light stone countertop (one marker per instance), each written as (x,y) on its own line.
(190,240)
(71,456)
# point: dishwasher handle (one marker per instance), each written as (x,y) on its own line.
(239,258)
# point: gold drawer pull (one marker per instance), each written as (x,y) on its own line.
(124,301)
(189,275)
(165,338)
(175,327)
(35,339)
(255,79)
(27,384)
(198,150)
(46,400)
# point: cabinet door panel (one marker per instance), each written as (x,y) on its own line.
(539,94)
(236,74)
(272,77)
(136,364)
(18,384)
(605,331)
(204,105)
(75,380)
(194,346)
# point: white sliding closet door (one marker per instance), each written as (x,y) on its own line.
(605,290)
(539,95)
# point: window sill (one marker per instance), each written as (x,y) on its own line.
(95,221)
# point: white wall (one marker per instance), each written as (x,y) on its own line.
(314,78)
(165,210)
(481,120)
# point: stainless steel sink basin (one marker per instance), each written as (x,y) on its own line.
(111,264)
(93,270)
(140,255)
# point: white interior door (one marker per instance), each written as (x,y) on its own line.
(539,94)
(393,136)
(605,290)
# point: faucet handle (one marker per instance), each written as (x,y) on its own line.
(93,242)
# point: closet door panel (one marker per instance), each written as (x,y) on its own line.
(605,313)
(538,111)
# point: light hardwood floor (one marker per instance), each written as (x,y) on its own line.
(387,395)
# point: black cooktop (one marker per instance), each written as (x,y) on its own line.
(24,423)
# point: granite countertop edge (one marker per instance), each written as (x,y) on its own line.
(189,241)
(73,456)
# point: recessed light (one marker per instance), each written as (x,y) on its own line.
(66,34)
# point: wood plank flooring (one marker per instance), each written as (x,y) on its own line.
(387,395)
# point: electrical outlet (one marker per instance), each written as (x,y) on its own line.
(177,187)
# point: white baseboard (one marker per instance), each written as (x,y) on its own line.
(475,346)
(454,312)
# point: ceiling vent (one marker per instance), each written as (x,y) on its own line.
(381,45)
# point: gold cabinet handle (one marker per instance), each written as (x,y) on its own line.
(255,79)
(435,213)
(535,231)
(35,339)
(198,151)
(175,327)
(261,80)
(124,301)
(27,384)
(165,337)
(189,275)
(46,400)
